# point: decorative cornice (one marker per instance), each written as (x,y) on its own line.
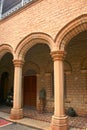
(18,63)
(58,55)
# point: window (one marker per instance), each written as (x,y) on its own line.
(8,4)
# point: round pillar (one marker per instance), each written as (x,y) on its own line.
(59,119)
(17,110)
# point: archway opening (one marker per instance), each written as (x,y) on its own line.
(76,73)
(4,87)
(6,78)
(37,72)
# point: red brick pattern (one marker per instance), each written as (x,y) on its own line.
(44,16)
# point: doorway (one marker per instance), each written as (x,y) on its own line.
(30,91)
(4,85)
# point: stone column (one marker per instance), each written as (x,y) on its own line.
(17,110)
(59,119)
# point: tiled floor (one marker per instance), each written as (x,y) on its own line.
(74,122)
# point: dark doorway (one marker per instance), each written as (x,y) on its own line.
(4,87)
(30,91)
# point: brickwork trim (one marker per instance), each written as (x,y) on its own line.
(58,55)
(5,49)
(71,30)
(18,63)
(31,40)
(32,66)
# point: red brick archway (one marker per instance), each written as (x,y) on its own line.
(31,40)
(4,49)
(71,30)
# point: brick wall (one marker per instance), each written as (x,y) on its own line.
(76,80)
(50,16)
(45,16)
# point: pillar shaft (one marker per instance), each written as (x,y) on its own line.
(16,111)
(17,86)
(58,90)
(59,120)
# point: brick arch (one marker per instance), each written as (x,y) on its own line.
(31,40)
(67,67)
(32,66)
(71,30)
(84,64)
(5,49)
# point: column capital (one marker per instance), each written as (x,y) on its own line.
(18,63)
(58,55)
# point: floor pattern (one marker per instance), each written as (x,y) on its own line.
(74,122)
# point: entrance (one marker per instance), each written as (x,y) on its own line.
(4,87)
(30,91)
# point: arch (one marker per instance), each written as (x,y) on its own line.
(84,64)
(71,30)
(67,67)
(5,69)
(30,41)
(31,65)
(5,49)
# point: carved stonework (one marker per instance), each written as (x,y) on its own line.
(18,63)
(58,55)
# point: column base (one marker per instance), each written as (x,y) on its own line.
(59,123)
(16,114)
